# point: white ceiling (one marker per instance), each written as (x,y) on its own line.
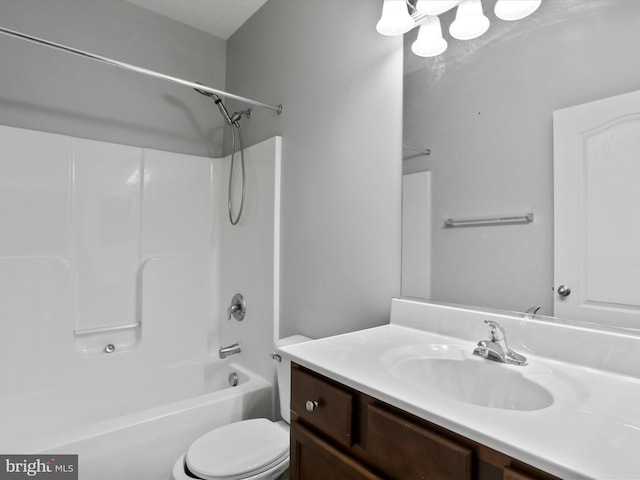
(218,17)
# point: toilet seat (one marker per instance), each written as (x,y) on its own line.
(179,472)
(239,450)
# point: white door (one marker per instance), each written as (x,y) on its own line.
(597,211)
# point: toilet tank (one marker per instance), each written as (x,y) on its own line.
(283,372)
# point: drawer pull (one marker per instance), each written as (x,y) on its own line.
(311,405)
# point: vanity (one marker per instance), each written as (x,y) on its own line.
(409,400)
(346,434)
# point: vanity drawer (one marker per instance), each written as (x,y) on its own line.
(411,451)
(525,473)
(322,404)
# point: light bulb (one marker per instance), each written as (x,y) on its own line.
(435,7)
(429,42)
(395,19)
(470,21)
(515,9)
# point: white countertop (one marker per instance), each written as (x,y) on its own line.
(591,431)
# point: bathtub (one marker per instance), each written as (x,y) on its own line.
(134,429)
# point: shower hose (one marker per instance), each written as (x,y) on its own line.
(234,126)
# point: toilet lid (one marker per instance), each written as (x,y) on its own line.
(238,450)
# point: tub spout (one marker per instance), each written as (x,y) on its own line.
(224,352)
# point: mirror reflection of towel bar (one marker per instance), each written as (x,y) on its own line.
(476,222)
(423,151)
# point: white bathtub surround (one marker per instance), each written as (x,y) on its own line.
(590,431)
(249,255)
(113,244)
(97,235)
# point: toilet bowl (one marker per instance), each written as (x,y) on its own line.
(255,449)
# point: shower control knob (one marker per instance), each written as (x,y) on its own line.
(311,405)
(238,308)
(564,291)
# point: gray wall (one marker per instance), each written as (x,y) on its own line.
(341,86)
(43,89)
(485,109)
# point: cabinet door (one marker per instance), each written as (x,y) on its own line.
(315,459)
(330,405)
(409,451)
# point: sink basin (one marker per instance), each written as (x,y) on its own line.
(459,375)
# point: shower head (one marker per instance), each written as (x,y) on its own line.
(221,107)
(203,92)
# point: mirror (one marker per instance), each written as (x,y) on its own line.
(485,110)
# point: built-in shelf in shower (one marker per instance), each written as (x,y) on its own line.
(118,338)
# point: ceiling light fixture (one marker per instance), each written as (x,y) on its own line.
(395,19)
(470,21)
(400,16)
(515,9)
(435,7)
(429,42)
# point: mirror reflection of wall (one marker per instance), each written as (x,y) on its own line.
(416,235)
(485,109)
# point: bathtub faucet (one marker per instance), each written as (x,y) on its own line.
(224,352)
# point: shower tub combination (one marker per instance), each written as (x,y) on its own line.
(123,418)
(134,428)
(130,399)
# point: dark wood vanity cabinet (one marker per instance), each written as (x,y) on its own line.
(338,433)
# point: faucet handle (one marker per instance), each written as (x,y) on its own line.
(496,348)
(496,332)
(238,308)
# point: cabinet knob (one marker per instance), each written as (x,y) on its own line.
(563,291)
(311,405)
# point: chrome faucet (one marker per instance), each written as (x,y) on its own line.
(224,352)
(496,348)
(532,311)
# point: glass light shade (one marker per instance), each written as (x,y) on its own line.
(435,7)
(395,19)
(515,9)
(429,42)
(470,21)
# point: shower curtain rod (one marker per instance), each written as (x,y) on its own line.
(133,68)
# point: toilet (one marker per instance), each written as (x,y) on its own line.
(255,449)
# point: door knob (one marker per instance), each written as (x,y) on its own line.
(564,291)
